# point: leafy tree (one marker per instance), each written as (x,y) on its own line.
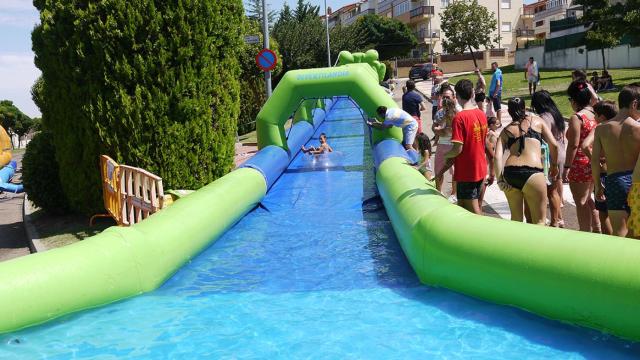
(37,124)
(605,31)
(14,121)
(299,33)
(631,19)
(152,83)
(8,115)
(390,37)
(467,26)
(253,9)
(351,38)
(304,10)
(23,127)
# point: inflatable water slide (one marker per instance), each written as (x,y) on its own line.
(585,279)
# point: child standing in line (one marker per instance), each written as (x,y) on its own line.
(442,126)
(424,148)
(490,146)
(604,111)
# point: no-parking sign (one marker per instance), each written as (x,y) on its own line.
(266,60)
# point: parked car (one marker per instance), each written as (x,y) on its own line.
(422,71)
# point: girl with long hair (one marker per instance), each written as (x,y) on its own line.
(546,108)
(577,168)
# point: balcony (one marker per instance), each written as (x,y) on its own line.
(528,34)
(424,36)
(552,8)
(527,13)
(420,13)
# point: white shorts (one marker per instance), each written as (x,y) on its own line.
(409,133)
(533,79)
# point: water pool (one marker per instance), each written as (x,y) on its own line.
(313,273)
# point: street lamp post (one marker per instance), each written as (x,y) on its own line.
(326,18)
(265,33)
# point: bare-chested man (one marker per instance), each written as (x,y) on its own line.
(619,139)
(632,98)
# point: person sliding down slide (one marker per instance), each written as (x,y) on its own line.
(323,148)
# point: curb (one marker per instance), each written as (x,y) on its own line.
(33,237)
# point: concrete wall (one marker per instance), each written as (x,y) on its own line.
(467,65)
(619,57)
(523,55)
(564,59)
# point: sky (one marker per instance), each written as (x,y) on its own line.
(17,71)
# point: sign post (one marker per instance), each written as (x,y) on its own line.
(265,33)
(266,60)
(252,39)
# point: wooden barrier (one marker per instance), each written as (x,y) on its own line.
(130,194)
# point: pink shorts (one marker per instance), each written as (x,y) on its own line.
(440,160)
(419,124)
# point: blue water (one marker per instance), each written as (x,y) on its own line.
(312,276)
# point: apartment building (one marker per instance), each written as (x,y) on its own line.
(349,13)
(514,25)
(546,11)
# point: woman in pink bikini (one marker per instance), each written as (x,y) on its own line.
(577,168)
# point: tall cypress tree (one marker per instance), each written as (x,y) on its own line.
(152,83)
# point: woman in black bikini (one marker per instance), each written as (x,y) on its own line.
(522,177)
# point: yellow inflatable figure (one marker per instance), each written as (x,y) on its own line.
(5,148)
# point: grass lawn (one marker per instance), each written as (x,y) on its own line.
(61,230)
(554,81)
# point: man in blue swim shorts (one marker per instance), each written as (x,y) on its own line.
(618,138)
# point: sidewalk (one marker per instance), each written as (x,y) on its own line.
(13,240)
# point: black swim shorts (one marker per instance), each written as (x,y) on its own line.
(468,190)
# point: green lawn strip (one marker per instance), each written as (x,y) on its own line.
(61,230)
(554,81)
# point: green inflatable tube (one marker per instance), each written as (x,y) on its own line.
(358,80)
(123,262)
(581,278)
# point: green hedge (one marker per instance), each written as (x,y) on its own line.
(151,83)
(40,175)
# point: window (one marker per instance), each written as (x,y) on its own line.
(402,8)
(539,23)
(506,27)
(444,3)
(505,4)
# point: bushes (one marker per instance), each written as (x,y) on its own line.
(388,70)
(151,83)
(40,174)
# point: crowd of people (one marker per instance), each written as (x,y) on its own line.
(595,151)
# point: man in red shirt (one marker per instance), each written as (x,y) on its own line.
(468,152)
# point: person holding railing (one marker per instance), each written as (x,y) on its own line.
(399,118)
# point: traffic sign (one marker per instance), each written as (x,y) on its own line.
(252,39)
(266,60)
